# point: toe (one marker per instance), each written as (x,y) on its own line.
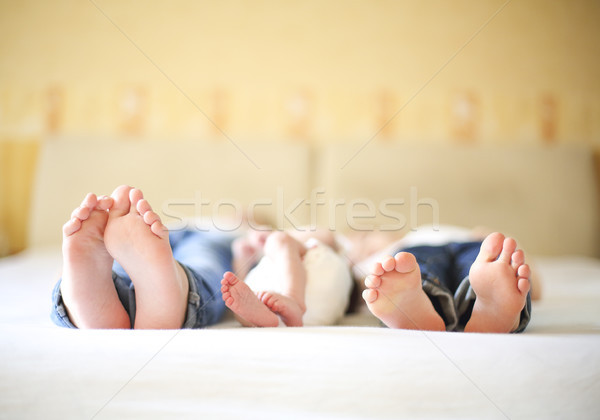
(373,282)
(90,201)
(229,278)
(143,206)
(135,196)
(81,213)
(524,285)
(405,262)
(508,248)
(121,204)
(267,298)
(71,226)
(150,217)
(524,271)
(369,295)
(104,203)
(388,264)
(377,269)
(491,247)
(517,259)
(158,229)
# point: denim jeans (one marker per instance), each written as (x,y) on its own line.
(445,280)
(204,256)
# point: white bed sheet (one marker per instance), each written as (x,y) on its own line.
(550,371)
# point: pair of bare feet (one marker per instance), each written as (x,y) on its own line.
(499,278)
(267,308)
(261,309)
(124,228)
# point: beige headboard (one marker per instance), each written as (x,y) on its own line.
(179,178)
(545,196)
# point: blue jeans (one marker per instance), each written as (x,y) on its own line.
(204,256)
(445,280)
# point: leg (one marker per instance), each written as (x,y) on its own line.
(500,280)
(87,287)
(247,251)
(138,240)
(463,254)
(394,295)
(206,256)
(436,263)
(286,254)
(249,310)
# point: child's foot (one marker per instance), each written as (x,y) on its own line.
(394,295)
(500,279)
(87,286)
(250,311)
(138,240)
(287,308)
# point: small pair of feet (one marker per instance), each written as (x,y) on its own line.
(262,309)
(499,277)
(124,228)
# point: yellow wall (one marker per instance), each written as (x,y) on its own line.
(320,71)
(17,164)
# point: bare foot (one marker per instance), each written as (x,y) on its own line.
(500,279)
(288,309)
(87,286)
(250,311)
(138,240)
(394,295)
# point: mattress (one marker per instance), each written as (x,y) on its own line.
(355,370)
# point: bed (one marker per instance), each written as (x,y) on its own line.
(356,369)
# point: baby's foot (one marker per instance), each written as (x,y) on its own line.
(138,240)
(500,279)
(87,286)
(287,308)
(394,295)
(250,311)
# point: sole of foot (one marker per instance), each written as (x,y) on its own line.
(247,307)
(137,239)
(87,286)
(500,279)
(394,295)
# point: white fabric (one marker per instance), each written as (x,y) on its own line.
(328,283)
(552,370)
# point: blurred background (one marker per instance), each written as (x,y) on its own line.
(316,72)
